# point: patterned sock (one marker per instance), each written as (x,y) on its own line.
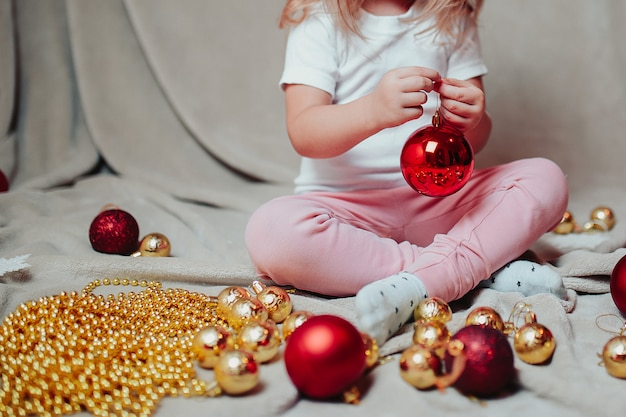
(528,278)
(383,306)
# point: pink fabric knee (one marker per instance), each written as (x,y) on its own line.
(335,243)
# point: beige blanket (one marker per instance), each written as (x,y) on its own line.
(171,111)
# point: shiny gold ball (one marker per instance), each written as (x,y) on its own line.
(275,299)
(485,316)
(293,321)
(209,343)
(432,309)
(228,296)
(433,335)
(246,310)
(604,215)
(262,339)
(534,343)
(614,356)
(420,367)
(237,372)
(371,350)
(154,245)
(567,224)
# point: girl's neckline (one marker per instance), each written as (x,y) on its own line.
(392,15)
(371,15)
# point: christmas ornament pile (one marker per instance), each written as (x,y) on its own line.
(478,359)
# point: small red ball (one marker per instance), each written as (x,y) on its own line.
(114,231)
(617,285)
(324,356)
(4,183)
(437,160)
(489,366)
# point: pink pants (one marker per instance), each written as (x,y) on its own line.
(336,243)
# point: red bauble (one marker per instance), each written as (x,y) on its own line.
(437,160)
(114,231)
(324,356)
(4,183)
(489,361)
(618,285)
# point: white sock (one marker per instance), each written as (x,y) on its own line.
(528,278)
(383,306)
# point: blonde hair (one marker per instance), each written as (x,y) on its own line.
(451,16)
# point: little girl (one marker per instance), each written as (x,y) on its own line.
(359,77)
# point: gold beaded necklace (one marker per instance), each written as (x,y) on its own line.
(109,355)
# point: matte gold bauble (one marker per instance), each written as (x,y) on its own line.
(485,316)
(275,299)
(433,335)
(293,321)
(237,372)
(614,356)
(209,343)
(534,343)
(432,309)
(245,310)
(420,367)
(262,339)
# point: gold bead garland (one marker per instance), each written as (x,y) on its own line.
(109,355)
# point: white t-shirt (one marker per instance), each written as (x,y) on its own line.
(319,55)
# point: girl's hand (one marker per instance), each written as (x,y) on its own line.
(462,102)
(400,94)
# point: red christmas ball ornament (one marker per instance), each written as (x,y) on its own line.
(4,183)
(114,231)
(617,285)
(324,356)
(437,160)
(481,360)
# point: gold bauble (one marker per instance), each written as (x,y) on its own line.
(154,245)
(209,343)
(604,215)
(534,343)
(245,310)
(293,321)
(420,367)
(614,356)
(237,372)
(433,335)
(567,224)
(228,296)
(262,339)
(485,316)
(371,350)
(432,309)
(275,299)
